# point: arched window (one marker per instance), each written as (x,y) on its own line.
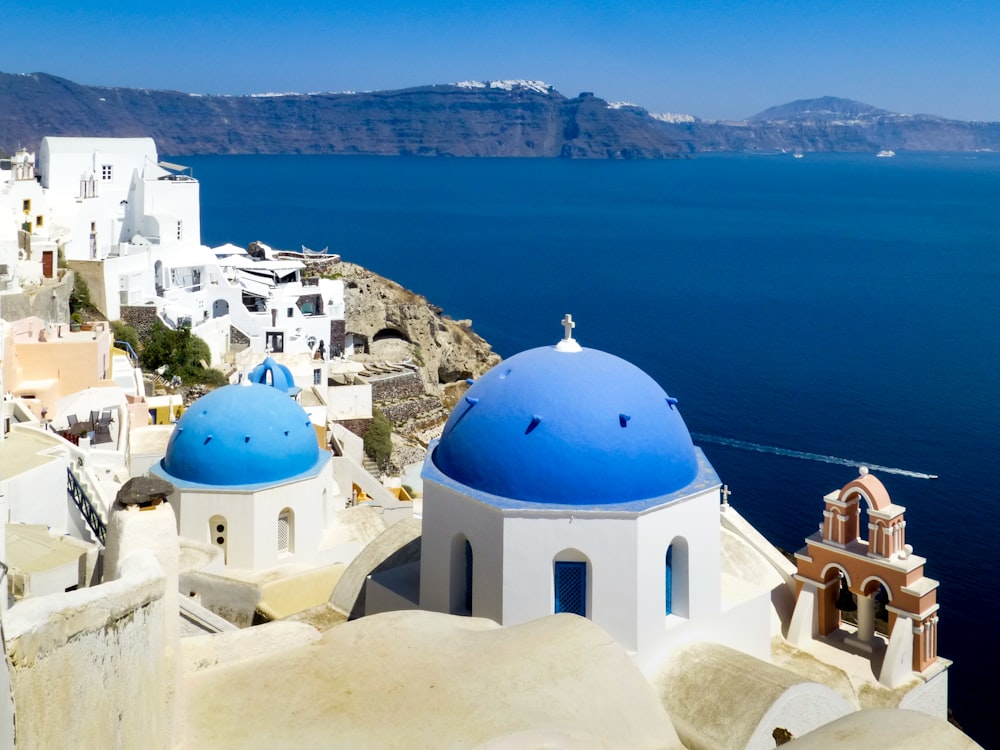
(286,520)
(676,581)
(570,583)
(218,534)
(460,576)
(468,576)
(668,571)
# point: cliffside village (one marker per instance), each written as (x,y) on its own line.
(562,569)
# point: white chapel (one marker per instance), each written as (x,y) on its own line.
(567,481)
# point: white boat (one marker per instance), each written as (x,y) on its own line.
(798,155)
(885,154)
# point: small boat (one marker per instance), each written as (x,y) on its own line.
(798,155)
(885,154)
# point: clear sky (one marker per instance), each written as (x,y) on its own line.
(717,59)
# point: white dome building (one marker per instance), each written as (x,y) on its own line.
(567,481)
(251,477)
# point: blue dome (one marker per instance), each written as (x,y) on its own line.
(240,435)
(567,427)
(274,374)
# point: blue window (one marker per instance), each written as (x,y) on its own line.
(571,587)
(668,570)
(468,576)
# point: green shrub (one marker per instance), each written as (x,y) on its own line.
(182,353)
(124,332)
(79,298)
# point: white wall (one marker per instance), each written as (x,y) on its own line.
(130,273)
(349,401)
(447,514)
(532,544)
(91,662)
(38,495)
(252,519)
(61,162)
(514,551)
(215,333)
(157,205)
(696,520)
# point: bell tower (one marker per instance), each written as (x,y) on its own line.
(838,566)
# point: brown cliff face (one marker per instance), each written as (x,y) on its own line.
(451,120)
(425,121)
(397,325)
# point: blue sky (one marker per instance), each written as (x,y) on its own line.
(716,59)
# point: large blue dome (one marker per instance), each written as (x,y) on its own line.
(240,435)
(576,427)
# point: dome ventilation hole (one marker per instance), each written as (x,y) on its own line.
(535,421)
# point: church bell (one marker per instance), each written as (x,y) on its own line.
(845,602)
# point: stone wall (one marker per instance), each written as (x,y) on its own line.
(405,385)
(50,302)
(358,426)
(338,335)
(237,337)
(141,317)
(400,412)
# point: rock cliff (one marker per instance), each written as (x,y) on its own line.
(497,118)
(519,118)
(394,324)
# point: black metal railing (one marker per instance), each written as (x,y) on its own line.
(79,497)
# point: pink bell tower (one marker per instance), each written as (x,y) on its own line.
(837,561)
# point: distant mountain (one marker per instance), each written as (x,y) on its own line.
(824,109)
(494,118)
(833,124)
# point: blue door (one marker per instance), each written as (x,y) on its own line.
(669,573)
(571,587)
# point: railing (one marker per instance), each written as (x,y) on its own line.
(131,352)
(86,507)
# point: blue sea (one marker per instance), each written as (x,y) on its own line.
(837,305)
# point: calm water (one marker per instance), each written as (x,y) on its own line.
(837,305)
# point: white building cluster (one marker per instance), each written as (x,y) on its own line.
(130,225)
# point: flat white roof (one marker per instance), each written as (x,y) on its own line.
(69,145)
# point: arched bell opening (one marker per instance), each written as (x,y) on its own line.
(835,599)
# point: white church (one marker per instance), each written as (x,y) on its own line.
(566,481)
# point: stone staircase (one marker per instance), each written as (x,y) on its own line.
(370,466)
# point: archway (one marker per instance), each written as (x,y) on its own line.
(571,583)
(676,578)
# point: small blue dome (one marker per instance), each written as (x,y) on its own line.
(240,435)
(567,427)
(274,374)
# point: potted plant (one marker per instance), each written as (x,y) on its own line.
(75,321)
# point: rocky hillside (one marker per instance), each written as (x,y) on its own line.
(398,325)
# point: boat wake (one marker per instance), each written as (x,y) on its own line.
(776,451)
